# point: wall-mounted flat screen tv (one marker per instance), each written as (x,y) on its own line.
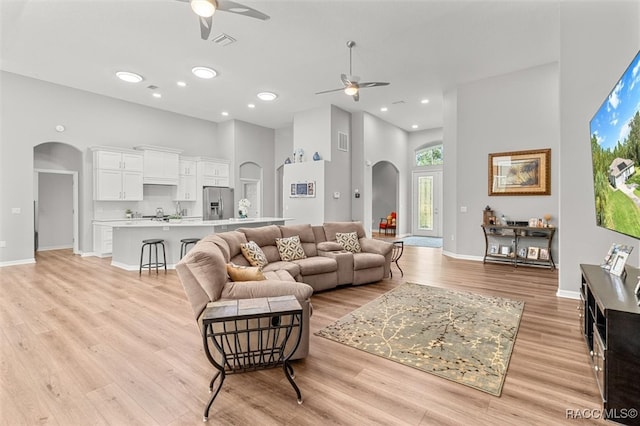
(615,154)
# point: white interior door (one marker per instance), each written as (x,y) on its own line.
(427,200)
(251,191)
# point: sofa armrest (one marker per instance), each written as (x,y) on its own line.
(267,288)
(329,246)
(370,245)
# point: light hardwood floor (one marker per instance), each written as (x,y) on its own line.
(84,343)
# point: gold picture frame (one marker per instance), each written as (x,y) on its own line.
(520,172)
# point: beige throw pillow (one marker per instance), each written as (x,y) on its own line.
(349,241)
(290,248)
(245,273)
(254,254)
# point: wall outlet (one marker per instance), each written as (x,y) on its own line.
(165,228)
(463,209)
(453,237)
(336,194)
(15,210)
(3,244)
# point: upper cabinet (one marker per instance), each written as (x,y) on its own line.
(187,166)
(161,165)
(214,172)
(187,186)
(117,175)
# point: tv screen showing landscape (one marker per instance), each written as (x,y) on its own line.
(615,153)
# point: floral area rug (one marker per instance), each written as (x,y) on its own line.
(464,337)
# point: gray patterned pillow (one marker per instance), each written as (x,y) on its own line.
(254,254)
(349,241)
(290,248)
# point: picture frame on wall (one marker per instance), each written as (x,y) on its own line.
(520,172)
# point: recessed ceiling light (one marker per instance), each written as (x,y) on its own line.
(157,95)
(267,96)
(204,72)
(424,101)
(181,84)
(251,105)
(129,77)
(415,126)
(384,109)
(225,113)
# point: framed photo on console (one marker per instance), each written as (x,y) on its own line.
(617,267)
(544,254)
(533,252)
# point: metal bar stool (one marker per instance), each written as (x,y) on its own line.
(185,244)
(153,243)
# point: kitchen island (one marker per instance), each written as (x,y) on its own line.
(127,235)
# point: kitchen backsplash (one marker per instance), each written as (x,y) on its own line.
(154,196)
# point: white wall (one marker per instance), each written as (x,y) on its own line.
(312,132)
(337,170)
(450,172)
(512,112)
(305,209)
(55,211)
(598,41)
(29,111)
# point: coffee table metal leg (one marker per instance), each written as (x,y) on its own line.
(288,371)
(222,375)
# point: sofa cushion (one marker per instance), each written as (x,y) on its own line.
(330,229)
(244,273)
(306,235)
(279,275)
(254,254)
(233,239)
(367,260)
(290,248)
(316,265)
(349,241)
(330,246)
(269,288)
(291,268)
(265,237)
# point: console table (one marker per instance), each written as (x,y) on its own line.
(251,334)
(610,323)
(516,244)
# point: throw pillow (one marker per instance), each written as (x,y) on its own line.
(349,241)
(244,273)
(290,248)
(254,254)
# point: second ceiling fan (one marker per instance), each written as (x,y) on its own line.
(351,82)
(206,8)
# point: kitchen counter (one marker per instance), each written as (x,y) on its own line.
(127,235)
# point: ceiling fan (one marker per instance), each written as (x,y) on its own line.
(351,82)
(206,8)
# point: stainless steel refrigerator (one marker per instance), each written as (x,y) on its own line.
(217,203)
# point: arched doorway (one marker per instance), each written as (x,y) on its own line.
(385,182)
(57,168)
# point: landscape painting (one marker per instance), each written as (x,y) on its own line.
(520,173)
(615,152)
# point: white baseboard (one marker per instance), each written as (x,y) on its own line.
(18,262)
(462,256)
(568,294)
(55,248)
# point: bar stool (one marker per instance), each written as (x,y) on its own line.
(185,244)
(153,243)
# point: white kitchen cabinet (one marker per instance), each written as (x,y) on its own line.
(214,173)
(117,175)
(102,240)
(161,167)
(186,189)
(187,167)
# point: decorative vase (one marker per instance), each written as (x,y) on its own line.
(287,161)
(316,156)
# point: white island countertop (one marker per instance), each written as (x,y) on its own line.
(188,222)
(128,235)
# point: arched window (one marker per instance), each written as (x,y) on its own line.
(429,156)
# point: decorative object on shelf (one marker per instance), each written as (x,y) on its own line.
(533,222)
(128,213)
(612,253)
(316,156)
(493,249)
(243,208)
(533,252)
(520,173)
(505,250)
(617,266)
(287,160)
(487,215)
(547,220)
(522,252)
(298,155)
(544,254)
(175,218)
(503,220)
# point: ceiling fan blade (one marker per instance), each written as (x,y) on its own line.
(205,26)
(372,84)
(241,9)
(344,79)
(329,91)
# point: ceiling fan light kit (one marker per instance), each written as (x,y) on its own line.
(351,85)
(204,8)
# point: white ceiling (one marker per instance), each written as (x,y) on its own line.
(422,47)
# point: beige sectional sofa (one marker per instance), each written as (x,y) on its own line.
(326,265)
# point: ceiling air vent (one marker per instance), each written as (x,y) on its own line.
(223,39)
(343,142)
(152,87)
(397,102)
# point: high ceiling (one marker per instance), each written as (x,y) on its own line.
(422,47)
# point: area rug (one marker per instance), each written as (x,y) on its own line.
(423,241)
(460,336)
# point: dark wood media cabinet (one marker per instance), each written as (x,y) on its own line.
(610,322)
